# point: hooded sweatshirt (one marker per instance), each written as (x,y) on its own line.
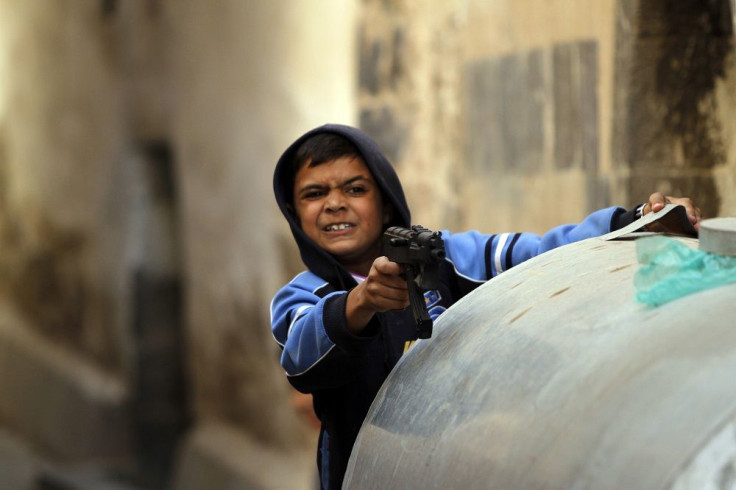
(343,371)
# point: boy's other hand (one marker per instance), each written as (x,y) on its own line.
(383,289)
(657,201)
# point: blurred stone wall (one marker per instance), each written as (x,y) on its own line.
(137,142)
(245,78)
(65,349)
(141,244)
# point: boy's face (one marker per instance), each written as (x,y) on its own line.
(339,206)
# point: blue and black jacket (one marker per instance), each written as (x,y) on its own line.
(344,372)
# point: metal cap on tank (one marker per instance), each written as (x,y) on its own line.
(718,236)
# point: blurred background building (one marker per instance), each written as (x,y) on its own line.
(140,242)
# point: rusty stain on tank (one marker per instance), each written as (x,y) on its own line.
(620,268)
(559,292)
(520,315)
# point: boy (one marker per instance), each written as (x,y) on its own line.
(343,324)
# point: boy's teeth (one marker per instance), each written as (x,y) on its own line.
(341,226)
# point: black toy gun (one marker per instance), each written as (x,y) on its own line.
(421,251)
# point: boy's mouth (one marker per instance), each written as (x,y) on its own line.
(338,227)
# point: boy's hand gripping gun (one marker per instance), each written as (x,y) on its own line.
(420,251)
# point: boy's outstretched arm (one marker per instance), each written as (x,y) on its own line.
(320,349)
(383,289)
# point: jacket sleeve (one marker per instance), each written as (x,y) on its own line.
(318,351)
(504,250)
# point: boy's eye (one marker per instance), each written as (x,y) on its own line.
(356,190)
(313,194)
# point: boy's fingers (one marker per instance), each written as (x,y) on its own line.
(656,202)
(391,299)
(386,267)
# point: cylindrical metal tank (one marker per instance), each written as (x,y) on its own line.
(552,376)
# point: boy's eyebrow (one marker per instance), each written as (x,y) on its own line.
(356,178)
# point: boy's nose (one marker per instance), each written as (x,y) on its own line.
(334,202)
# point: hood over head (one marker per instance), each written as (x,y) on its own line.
(315,258)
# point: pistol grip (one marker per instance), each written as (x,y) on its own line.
(418,307)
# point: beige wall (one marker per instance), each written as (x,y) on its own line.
(549,197)
(558,84)
(431,101)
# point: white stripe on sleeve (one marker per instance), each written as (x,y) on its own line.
(499,249)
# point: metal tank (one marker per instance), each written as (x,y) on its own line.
(552,376)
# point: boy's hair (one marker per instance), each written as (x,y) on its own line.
(318,149)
